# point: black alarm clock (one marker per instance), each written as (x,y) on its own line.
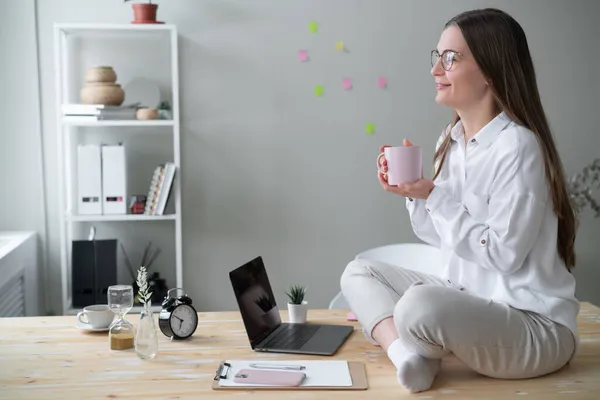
(178,319)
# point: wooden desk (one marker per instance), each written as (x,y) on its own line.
(48,357)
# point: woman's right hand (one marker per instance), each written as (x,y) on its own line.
(383,166)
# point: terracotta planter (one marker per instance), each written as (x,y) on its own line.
(144,13)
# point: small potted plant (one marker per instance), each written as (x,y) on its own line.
(164,110)
(144,13)
(297,306)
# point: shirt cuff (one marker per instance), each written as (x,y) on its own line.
(413,203)
(435,199)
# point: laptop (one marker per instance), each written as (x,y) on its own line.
(263,322)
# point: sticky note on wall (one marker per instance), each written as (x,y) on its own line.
(347,83)
(303,55)
(313,27)
(370,128)
(339,46)
(319,90)
(382,82)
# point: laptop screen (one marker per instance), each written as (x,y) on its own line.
(255,299)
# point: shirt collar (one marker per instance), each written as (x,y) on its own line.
(487,134)
(457,131)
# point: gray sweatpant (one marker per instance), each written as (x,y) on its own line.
(433,318)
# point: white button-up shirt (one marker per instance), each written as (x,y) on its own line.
(491,214)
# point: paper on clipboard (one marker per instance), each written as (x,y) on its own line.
(334,373)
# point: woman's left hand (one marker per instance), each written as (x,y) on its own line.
(415,190)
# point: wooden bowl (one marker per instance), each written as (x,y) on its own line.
(101,74)
(110,94)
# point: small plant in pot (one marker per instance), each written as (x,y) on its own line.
(297,306)
(144,13)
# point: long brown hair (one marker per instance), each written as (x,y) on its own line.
(499,46)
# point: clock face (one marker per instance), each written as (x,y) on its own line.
(184,321)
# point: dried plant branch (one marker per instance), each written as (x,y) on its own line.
(128,262)
(152,258)
(581,185)
(144,295)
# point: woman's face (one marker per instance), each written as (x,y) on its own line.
(463,85)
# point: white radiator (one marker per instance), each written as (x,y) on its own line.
(19,278)
(12,297)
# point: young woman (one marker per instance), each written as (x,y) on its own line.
(498,209)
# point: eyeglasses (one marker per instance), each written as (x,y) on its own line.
(447,56)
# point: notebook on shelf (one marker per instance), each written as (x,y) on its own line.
(154,187)
(165,189)
(160,189)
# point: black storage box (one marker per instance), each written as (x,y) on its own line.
(94,269)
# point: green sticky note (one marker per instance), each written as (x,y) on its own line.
(370,128)
(313,27)
(319,90)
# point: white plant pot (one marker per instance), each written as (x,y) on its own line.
(298,312)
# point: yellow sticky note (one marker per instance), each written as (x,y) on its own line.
(313,27)
(339,46)
(319,90)
(370,128)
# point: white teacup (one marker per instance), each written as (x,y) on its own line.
(97,316)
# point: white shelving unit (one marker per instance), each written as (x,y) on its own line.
(128,217)
(140,124)
(66,84)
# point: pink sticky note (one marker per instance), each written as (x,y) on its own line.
(382,82)
(347,83)
(303,55)
(351,317)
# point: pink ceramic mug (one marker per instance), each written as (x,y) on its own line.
(404,163)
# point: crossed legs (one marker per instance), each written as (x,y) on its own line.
(418,320)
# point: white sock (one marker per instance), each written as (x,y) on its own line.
(415,373)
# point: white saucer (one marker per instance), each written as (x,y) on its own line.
(88,328)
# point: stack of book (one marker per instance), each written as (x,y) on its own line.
(97,112)
(160,189)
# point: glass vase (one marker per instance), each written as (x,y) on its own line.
(146,339)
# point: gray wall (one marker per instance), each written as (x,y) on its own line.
(271,170)
(21,159)
(21,201)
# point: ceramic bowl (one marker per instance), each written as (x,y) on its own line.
(106,93)
(147,113)
(101,74)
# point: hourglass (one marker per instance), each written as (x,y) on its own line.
(121,332)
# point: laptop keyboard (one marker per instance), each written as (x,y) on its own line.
(292,336)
